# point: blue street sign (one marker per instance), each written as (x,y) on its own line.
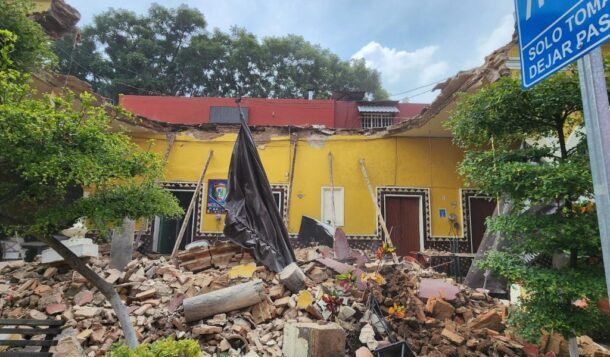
(555,33)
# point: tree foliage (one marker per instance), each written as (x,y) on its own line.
(170,52)
(32,49)
(52,147)
(517,149)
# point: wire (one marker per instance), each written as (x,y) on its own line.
(421,87)
(420,94)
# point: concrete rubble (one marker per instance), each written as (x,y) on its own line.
(328,317)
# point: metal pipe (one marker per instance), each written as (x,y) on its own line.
(597,123)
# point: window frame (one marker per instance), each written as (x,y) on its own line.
(339,206)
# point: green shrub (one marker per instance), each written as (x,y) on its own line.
(162,348)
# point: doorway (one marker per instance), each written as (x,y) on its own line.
(404,221)
(480,209)
(166,229)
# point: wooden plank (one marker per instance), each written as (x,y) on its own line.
(26,322)
(219,259)
(23,343)
(291,177)
(198,268)
(203,252)
(26,354)
(30,331)
(187,215)
(203,262)
(386,236)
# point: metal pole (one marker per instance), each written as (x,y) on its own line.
(597,122)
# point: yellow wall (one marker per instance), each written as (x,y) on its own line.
(42,5)
(404,162)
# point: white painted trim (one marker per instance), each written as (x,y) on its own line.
(340,209)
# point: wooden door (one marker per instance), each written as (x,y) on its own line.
(403,220)
(480,209)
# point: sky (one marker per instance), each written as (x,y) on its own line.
(411,42)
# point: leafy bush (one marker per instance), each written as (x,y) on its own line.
(162,348)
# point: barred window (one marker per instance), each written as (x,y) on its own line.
(376,120)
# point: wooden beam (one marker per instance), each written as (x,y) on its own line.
(387,239)
(291,177)
(29,331)
(171,139)
(191,205)
(228,299)
(24,343)
(333,216)
(31,322)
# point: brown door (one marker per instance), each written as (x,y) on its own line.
(480,209)
(403,221)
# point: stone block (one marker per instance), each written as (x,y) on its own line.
(313,340)
(82,247)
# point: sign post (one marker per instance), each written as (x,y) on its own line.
(597,124)
(552,35)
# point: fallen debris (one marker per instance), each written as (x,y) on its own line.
(233,312)
(292,277)
(313,340)
(229,299)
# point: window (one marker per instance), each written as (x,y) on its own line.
(376,120)
(327,205)
(278,196)
(227,115)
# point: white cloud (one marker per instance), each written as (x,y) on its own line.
(499,37)
(434,72)
(403,70)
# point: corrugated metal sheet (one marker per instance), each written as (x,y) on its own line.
(377,109)
(227,115)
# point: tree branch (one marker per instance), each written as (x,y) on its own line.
(102,285)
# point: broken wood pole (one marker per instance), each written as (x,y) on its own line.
(186,219)
(171,139)
(292,277)
(224,300)
(291,177)
(332,191)
(387,239)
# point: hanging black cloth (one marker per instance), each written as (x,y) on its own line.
(253,220)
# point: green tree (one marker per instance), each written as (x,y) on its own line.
(53,147)
(516,148)
(33,48)
(170,52)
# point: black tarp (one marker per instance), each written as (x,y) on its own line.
(253,220)
(313,231)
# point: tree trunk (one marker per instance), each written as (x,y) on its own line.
(102,285)
(564,156)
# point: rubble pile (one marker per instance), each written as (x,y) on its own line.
(466,324)
(330,316)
